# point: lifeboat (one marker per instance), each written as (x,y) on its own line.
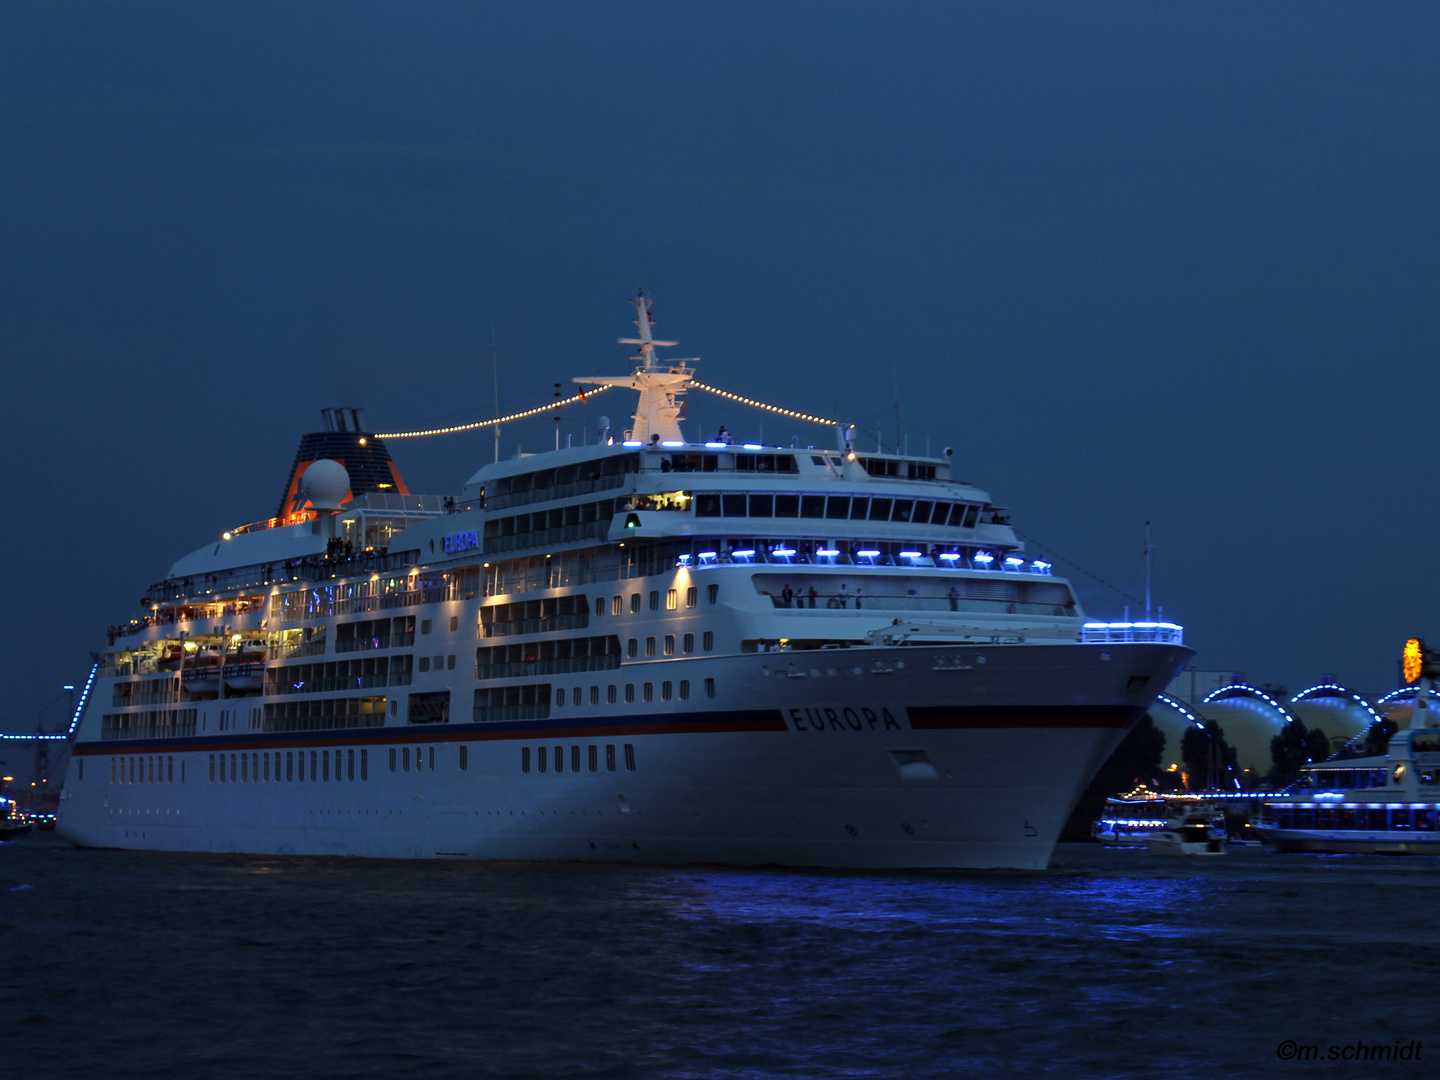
(245,667)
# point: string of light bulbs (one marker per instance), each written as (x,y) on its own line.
(740,398)
(499,419)
(761,405)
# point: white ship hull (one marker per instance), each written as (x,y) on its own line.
(898,757)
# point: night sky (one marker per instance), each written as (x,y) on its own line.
(1133,261)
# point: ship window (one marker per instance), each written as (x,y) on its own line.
(525,759)
(464,758)
(649,646)
(812,506)
(290,764)
(313,755)
(594,758)
(684,689)
(169,770)
(594,695)
(405,758)
(666,691)
(610,758)
(709,640)
(672,599)
(634,602)
(232,768)
(574,759)
(349,764)
(364,764)
(450,662)
(394,706)
(648,692)
(689,644)
(325,763)
(707,505)
(541,757)
(629,693)
(267,768)
(762,506)
(880,509)
(924,512)
(859,508)
(424,626)
(838,506)
(610,695)
(632,648)
(654,599)
(392,759)
(150,768)
(429,758)
(669,644)
(971,514)
(733,505)
(212,768)
(902,510)
(629,757)
(599,606)
(709,687)
(560,696)
(692,596)
(424,663)
(712,593)
(787,506)
(454,623)
(244,768)
(112,770)
(439,663)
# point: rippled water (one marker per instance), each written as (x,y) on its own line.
(1112,964)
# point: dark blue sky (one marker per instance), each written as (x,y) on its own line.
(1174,262)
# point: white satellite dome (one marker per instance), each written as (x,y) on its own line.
(325,484)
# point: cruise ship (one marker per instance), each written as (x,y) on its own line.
(647,649)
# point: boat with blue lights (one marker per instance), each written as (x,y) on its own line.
(649,649)
(1380,794)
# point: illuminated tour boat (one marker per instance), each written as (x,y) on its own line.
(646,649)
(1370,798)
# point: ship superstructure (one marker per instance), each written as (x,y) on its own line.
(651,649)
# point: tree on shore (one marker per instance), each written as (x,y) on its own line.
(1210,761)
(1296,745)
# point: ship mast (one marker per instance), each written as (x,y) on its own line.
(661,384)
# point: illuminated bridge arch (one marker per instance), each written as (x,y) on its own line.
(1335,690)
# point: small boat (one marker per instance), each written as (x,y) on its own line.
(1132,819)
(202,673)
(13,823)
(1194,834)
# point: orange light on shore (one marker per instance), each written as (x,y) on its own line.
(1410,660)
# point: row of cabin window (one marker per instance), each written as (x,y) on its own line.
(632,647)
(672,600)
(256,767)
(403,758)
(547,757)
(152,769)
(838,508)
(647,693)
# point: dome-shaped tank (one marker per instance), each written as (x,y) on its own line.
(1336,710)
(325,484)
(1250,718)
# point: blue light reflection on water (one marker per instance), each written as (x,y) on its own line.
(264,967)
